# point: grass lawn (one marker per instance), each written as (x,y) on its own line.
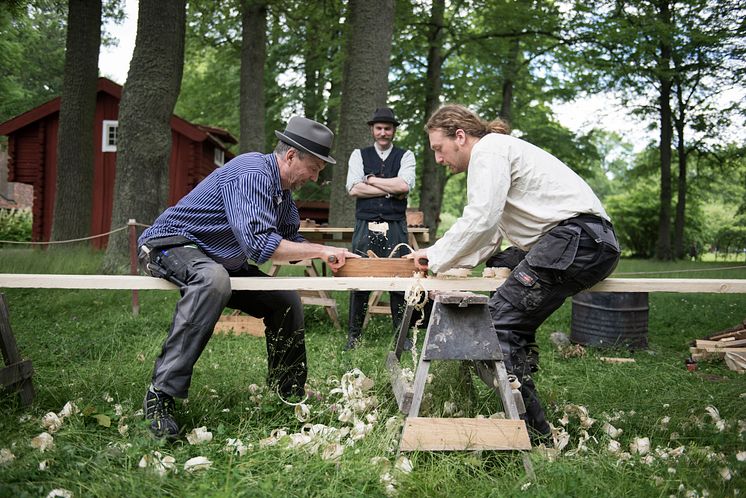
(88,349)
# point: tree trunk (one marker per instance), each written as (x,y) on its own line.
(433,175)
(511,71)
(253,55)
(680,222)
(663,249)
(144,137)
(364,87)
(75,153)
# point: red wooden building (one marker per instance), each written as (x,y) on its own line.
(32,157)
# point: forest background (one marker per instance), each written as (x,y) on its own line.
(247,66)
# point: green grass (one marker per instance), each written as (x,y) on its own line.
(87,347)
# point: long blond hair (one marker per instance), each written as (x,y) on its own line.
(452,117)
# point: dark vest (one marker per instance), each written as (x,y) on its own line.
(381,208)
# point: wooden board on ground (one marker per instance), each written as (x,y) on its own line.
(736,361)
(723,343)
(377,267)
(240,325)
(456,434)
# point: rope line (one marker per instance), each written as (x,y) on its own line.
(76,240)
(65,241)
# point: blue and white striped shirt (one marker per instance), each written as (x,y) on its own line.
(238,212)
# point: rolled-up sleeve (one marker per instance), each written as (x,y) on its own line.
(355,170)
(408,169)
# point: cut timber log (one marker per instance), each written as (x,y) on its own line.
(713,353)
(723,343)
(607,359)
(378,267)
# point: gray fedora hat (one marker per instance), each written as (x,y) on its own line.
(309,136)
(383,115)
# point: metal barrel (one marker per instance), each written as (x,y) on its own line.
(610,319)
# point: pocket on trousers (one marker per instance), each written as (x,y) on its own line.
(524,289)
(556,249)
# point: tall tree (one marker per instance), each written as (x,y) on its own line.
(433,178)
(144,137)
(74,196)
(32,55)
(707,62)
(665,83)
(364,87)
(253,56)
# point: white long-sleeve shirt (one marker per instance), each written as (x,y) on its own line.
(514,190)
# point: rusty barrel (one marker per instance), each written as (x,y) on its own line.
(610,319)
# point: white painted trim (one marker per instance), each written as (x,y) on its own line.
(105,126)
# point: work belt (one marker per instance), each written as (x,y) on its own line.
(152,251)
(607,235)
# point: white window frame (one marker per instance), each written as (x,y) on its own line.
(107,125)
(218,157)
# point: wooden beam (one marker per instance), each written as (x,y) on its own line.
(454,434)
(57,281)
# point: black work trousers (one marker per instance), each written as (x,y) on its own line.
(381,243)
(205,291)
(565,261)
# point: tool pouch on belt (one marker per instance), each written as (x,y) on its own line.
(556,250)
(152,252)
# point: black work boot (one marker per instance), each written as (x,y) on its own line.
(159,409)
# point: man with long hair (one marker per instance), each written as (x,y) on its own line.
(561,238)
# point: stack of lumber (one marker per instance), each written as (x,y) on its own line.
(729,345)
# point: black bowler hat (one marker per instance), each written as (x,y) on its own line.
(309,136)
(383,115)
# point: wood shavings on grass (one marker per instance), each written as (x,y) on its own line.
(197,464)
(60,493)
(235,445)
(43,442)
(199,435)
(581,412)
(640,446)
(158,463)
(302,412)
(51,422)
(612,431)
(6,456)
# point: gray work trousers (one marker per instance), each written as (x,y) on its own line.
(565,261)
(205,291)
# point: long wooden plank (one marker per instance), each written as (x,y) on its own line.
(454,434)
(57,281)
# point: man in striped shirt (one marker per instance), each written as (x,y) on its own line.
(238,217)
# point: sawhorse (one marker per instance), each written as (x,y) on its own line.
(16,375)
(460,328)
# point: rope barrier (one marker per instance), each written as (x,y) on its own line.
(141,225)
